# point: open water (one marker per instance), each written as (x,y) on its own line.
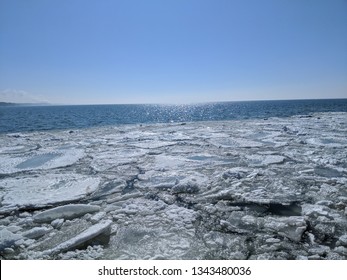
(38,118)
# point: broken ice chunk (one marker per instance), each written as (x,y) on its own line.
(102,228)
(36,232)
(65,212)
(8,239)
(290,227)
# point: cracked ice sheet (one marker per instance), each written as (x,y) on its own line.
(169,179)
(44,190)
(231,179)
(152,144)
(110,157)
(227,142)
(259,160)
(332,142)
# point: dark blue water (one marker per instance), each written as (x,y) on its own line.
(37,118)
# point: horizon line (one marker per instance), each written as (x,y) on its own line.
(163,103)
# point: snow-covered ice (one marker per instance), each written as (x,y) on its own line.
(249,189)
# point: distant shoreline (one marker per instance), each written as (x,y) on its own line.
(23,104)
(7,104)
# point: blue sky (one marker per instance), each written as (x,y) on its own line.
(173,51)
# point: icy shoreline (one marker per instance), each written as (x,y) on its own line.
(253,189)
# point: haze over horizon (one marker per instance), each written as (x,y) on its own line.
(116,52)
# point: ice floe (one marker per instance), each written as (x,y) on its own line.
(30,192)
(48,159)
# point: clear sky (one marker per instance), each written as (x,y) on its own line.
(172,51)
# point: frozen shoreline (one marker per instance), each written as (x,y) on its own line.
(251,189)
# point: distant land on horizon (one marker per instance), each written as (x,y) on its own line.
(22,104)
(7,104)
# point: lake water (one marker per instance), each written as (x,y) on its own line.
(38,118)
